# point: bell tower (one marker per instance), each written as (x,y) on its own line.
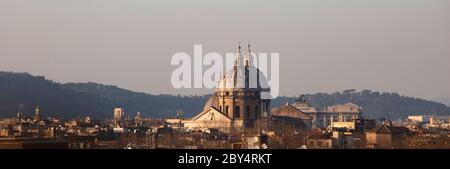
(37,114)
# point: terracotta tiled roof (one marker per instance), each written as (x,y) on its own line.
(386,129)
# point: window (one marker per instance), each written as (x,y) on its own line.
(237,112)
(247,111)
(226,110)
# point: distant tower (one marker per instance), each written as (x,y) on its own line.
(179,114)
(19,113)
(19,116)
(37,114)
(138,119)
(118,113)
(138,116)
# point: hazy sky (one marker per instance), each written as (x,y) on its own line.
(324,45)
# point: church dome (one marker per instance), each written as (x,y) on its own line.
(236,77)
(243,80)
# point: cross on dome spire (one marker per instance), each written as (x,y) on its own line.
(239,47)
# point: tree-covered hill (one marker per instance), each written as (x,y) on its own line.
(22,92)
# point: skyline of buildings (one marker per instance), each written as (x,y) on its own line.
(283,129)
(236,116)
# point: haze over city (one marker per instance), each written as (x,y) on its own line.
(325,46)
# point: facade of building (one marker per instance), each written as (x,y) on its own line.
(119,113)
(324,118)
(301,104)
(338,113)
(319,141)
(387,136)
(240,99)
(290,113)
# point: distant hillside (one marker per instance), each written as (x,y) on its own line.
(445,100)
(24,91)
(82,99)
(375,104)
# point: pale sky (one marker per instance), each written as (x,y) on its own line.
(325,45)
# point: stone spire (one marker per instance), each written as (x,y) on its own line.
(238,61)
(248,57)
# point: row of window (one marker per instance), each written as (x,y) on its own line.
(237,111)
(228,93)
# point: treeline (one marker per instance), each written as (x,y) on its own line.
(376,104)
(22,92)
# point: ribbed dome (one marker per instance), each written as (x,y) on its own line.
(236,77)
